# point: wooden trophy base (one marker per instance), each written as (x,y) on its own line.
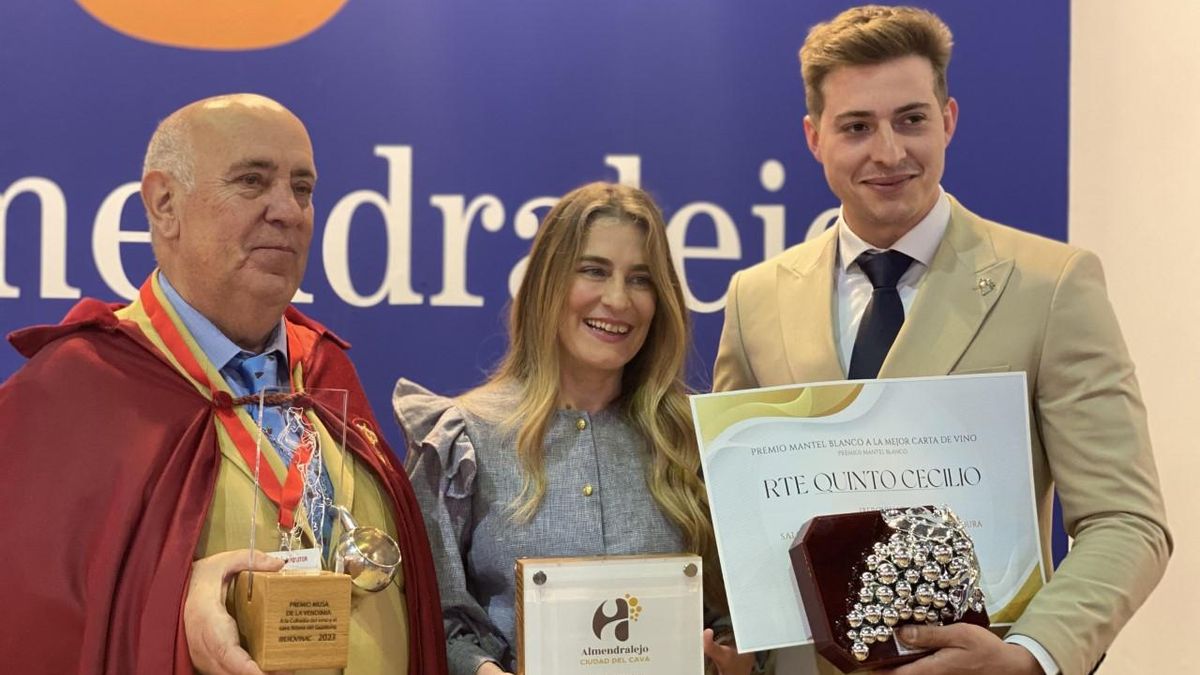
(825,555)
(293,620)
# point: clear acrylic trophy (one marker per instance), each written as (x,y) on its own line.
(299,617)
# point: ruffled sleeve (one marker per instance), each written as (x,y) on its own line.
(436,432)
(441,465)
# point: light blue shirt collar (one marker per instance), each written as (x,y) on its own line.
(219,349)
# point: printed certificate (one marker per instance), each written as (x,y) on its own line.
(775,457)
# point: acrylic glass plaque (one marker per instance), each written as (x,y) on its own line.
(611,615)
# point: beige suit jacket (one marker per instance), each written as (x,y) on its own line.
(997,299)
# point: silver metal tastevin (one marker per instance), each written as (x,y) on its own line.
(367,554)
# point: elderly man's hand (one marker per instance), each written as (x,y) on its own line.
(212,634)
(726,657)
(963,648)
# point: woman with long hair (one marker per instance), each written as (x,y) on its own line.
(581,442)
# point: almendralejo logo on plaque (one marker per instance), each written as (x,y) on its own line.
(610,615)
(627,609)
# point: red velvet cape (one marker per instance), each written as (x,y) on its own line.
(108,461)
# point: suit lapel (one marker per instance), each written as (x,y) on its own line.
(806,300)
(961,286)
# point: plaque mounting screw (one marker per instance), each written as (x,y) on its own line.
(539,577)
(690,570)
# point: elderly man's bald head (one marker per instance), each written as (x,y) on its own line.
(227,186)
(171,148)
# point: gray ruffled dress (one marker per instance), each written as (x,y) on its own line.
(463,466)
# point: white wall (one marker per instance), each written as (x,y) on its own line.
(1135,200)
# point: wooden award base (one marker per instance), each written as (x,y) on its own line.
(824,556)
(293,620)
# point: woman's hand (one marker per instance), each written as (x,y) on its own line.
(726,657)
(490,668)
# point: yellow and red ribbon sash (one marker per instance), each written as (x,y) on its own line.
(299,340)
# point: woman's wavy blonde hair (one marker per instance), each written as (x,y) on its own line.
(653,392)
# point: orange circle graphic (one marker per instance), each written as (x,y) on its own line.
(228,25)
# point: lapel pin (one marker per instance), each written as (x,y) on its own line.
(986,285)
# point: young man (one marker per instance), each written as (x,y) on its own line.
(910,283)
(126,483)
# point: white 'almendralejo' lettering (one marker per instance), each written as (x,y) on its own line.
(458,215)
(54,237)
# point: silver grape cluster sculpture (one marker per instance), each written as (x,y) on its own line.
(926,572)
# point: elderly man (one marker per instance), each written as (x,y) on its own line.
(911,283)
(128,489)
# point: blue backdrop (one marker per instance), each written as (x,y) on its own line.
(442,128)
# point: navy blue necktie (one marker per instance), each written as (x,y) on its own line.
(884,314)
